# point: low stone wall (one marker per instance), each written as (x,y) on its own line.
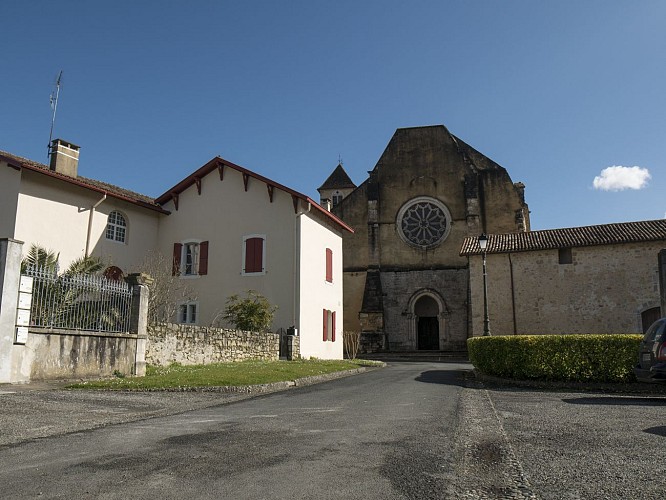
(197,345)
(65,354)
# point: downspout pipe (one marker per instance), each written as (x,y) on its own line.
(90,220)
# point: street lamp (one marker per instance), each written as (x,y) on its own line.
(483,244)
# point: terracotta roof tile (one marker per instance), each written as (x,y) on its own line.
(605,234)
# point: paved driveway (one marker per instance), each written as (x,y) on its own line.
(412,430)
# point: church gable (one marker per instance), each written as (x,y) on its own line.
(427,193)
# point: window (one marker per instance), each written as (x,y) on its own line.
(565,256)
(187,312)
(329,265)
(424,222)
(336,198)
(190,258)
(116,227)
(254,251)
(329,326)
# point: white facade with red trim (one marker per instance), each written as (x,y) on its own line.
(229,230)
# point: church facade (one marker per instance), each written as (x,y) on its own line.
(406,285)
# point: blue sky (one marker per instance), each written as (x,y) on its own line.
(555,92)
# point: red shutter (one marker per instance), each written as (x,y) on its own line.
(325,325)
(203,258)
(333,326)
(329,265)
(177,250)
(254,258)
(258,255)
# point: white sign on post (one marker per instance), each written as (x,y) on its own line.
(25,285)
(21,335)
(25,300)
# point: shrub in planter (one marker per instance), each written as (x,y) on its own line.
(592,358)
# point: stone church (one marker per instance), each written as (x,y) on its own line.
(406,286)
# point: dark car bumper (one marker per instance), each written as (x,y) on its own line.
(656,373)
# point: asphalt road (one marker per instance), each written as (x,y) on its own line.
(385,434)
(411,430)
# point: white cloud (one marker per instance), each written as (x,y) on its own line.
(618,178)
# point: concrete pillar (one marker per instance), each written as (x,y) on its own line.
(139,318)
(662,281)
(10,275)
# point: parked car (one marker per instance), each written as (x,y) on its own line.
(651,365)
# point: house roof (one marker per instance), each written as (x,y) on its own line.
(605,234)
(337,180)
(141,200)
(220,164)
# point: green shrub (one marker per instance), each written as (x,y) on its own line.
(591,358)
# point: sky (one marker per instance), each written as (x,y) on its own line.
(569,96)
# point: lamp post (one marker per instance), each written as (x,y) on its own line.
(483,244)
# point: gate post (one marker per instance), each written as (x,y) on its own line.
(662,281)
(139,318)
(10,275)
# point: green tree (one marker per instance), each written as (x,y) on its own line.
(252,313)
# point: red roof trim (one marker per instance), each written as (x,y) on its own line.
(220,163)
(13,163)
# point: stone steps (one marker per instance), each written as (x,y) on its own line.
(437,356)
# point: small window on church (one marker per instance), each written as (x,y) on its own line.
(565,256)
(336,198)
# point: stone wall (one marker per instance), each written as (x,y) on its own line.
(65,354)
(604,290)
(193,345)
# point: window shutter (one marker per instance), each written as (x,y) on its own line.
(203,258)
(258,254)
(177,250)
(254,258)
(329,265)
(325,325)
(333,326)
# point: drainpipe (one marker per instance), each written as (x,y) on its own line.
(90,219)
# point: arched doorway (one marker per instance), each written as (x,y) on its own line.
(426,311)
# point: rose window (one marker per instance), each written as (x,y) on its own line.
(424,222)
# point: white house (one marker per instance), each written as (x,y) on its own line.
(229,230)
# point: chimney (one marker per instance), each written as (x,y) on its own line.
(326,203)
(64,157)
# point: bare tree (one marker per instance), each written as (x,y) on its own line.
(351,342)
(167,289)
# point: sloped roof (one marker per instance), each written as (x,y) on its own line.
(219,164)
(605,234)
(338,180)
(92,184)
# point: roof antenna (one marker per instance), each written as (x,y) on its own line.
(54,107)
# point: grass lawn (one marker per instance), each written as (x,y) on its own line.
(223,374)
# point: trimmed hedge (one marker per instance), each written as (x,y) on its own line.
(591,358)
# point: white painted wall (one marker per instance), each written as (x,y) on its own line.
(222,215)
(10,181)
(315,293)
(55,214)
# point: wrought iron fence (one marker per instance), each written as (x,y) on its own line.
(80,302)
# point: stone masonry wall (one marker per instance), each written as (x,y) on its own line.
(191,345)
(604,290)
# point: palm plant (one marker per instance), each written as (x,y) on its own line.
(58,301)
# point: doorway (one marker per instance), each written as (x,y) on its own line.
(426,310)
